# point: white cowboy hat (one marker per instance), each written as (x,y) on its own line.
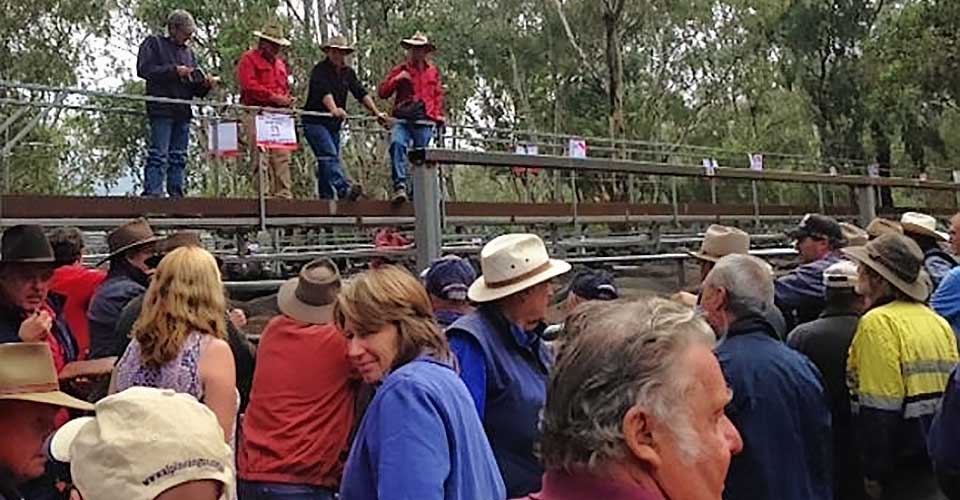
(512,263)
(418,40)
(917,223)
(721,241)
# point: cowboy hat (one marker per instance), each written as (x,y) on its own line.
(417,40)
(855,236)
(881,226)
(721,241)
(512,263)
(922,224)
(338,43)
(310,296)
(27,374)
(274,33)
(25,244)
(898,260)
(133,234)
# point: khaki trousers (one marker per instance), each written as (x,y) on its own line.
(270,165)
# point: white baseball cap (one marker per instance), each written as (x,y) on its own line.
(143,442)
(842,274)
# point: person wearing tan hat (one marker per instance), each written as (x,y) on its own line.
(330,82)
(922,228)
(418,106)
(30,400)
(881,226)
(718,242)
(899,364)
(148,444)
(263,78)
(503,359)
(297,427)
(854,235)
(130,248)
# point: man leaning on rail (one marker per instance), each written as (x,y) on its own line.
(171,70)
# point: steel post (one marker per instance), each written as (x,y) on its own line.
(426,209)
(866,198)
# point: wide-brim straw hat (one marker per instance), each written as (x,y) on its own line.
(26,244)
(310,296)
(338,43)
(898,260)
(133,234)
(512,263)
(273,33)
(854,235)
(418,40)
(881,226)
(720,241)
(27,374)
(923,224)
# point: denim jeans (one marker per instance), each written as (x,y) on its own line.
(167,156)
(256,490)
(326,147)
(403,134)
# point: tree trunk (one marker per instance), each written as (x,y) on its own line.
(309,20)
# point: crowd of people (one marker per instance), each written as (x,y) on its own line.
(836,379)
(171,71)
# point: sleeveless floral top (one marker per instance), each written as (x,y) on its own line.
(182,374)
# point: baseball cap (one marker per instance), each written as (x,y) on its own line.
(817,226)
(594,285)
(449,278)
(142,442)
(843,274)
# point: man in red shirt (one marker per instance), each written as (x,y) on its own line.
(75,282)
(418,106)
(262,75)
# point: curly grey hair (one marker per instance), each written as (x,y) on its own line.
(181,20)
(621,355)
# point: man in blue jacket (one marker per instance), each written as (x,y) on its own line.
(779,405)
(170,69)
(799,294)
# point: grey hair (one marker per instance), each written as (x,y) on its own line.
(618,355)
(181,20)
(748,282)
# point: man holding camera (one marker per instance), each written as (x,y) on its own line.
(171,71)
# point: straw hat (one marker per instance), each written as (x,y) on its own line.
(338,43)
(175,440)
(721,241)
(899,260)
(923,224)
(512,263)
(27,374)
(417,40)
(310,296)
(131,235)
(274,33)
(881,226)
(855,236)
(25,244)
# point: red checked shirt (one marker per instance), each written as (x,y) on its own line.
(424,85)
(261,79)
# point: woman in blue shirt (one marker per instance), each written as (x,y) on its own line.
(421,437)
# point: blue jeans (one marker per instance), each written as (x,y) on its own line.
(256,490)
(403,134)
(167,156)
(326,147)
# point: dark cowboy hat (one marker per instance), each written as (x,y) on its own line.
(25,244)
(898,260)
(133,234)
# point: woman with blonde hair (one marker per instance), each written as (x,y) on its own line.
(421,436)
(179,339)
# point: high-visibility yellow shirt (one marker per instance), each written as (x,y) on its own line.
(900,359)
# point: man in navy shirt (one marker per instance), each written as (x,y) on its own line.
(171,71)
(330,81)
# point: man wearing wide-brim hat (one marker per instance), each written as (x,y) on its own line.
(302,403)
(502,358)
(718,242)
(263,78)
(131,247)
(330,81)
(28,311)
(922,228)
(30,400)
(899,364)
(418,106)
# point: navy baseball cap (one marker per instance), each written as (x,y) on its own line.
(819,227)
(594,285)
(449,278)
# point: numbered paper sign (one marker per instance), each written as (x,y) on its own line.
(577,148)
(756,163)
(833,171)
(873,170)
(710,166)
(956,176)
(222,139)
(276,131)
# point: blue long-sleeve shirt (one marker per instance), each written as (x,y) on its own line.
(800,294)
(946,299)
(421,439)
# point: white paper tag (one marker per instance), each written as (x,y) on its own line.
(756,162)
(577,148)
(276,131)
(226,139)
